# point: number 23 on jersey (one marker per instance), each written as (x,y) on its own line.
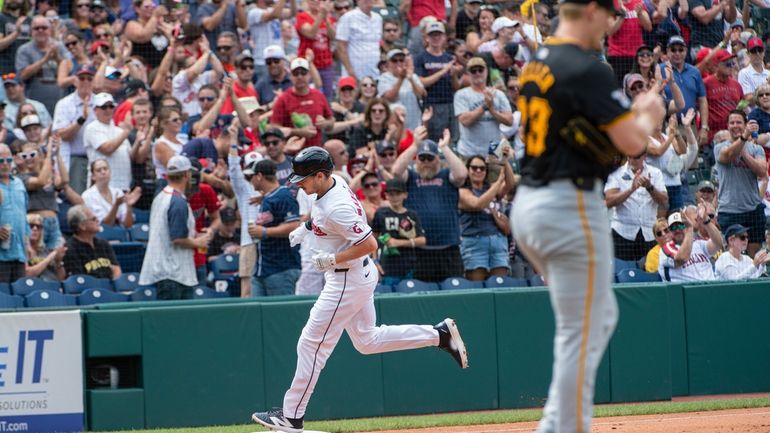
(535,111)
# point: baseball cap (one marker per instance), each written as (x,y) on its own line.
(755,42)
(133,86)
(473,1)
(384,145)
(96,45)
(245,55)
(395,184)
(395,52)
(227,215)
(179,164)
(272,132)
(676,40)
(723,55)
(251,157)
(102,99)
(299,62)
(250,104)
(85,70)
(706,184)
(425,21)
(98,4)
(274,52)
(632,79)
(503,22)
(674,218)
(346,82)
(735,229)
(606,4)
(738,23)
(428,147)
(702,53)
(511,48)
(263,166)
(11,78)
(435,26)
(476,61)
(29,120)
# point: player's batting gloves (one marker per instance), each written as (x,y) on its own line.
(296,235)
(324,261)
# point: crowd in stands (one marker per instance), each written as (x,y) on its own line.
(112,109)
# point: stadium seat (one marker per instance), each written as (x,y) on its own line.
(624,264)
(11,301)
(202,292)
(49,298)
(126,282)
(495,282)
(226,265)
(130,255)
(536,281)
(411,286)
(100,296)
(383,288)
(228,287)
(456,283)
(141,216)
(144,293)
(114,233)
(637,276)
(25,286)
(75,284)
(5,288)
(140,233)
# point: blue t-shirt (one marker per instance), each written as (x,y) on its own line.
(708,35)
(435,201)
(762,118)
(227,24)
(274,254)
(478,223)
(178,212)
(266,88)
(13,211)
(690,83)
(426,64)
(201,148)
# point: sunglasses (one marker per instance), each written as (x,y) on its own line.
(6,160)
(637,87)
(729,64)
(388,154)
(468,55)
(224,48)
(70,44)
(273,61)
(677,227)
(428,158)
(107,107)
(206,98)
(477,70)
(341,8)
(513,89)
(645,54)
(377,110)
(40,28)
(299,72)
(676,50)
(757,50)
(371,185)
(85,78)
(707,190)
(36,226)
(246,67)
(478,167)
(28,155)
(742,237)
(398,59)
(660,233)
(272,143)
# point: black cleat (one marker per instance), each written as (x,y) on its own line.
(449,340)
(274,420)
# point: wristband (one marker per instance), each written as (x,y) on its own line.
(81,120)
(264,233)
(411,241)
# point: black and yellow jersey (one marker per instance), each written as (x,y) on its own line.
(565,82)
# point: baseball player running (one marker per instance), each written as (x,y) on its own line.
(343,241)
(575,120)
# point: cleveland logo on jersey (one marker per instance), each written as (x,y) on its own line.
(317,231)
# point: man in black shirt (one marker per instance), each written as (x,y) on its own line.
(466,18)
(86,254)
(227,238)
(575,118)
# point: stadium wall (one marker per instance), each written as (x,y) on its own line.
(214,362)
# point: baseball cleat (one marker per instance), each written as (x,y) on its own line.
(451,342)
(274,420)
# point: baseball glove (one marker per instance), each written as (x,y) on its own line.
(587,139)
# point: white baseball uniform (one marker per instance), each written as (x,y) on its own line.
(697,268)
(347,300)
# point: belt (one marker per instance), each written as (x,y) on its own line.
(366,262)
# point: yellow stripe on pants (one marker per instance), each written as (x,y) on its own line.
(586,309)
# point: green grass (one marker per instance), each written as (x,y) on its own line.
(487,417)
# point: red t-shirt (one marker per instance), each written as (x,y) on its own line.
(628,38)
(206,198)
(122,111)
(722,97)
(313,104)
(321,45)
(227,106)
(422,8)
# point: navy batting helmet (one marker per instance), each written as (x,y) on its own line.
(309,162)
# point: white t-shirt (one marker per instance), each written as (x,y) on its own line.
(101,207)
(696,268)
(639,211)
(187,92)
(362,33)
(262,34)
(160,169)
(670,164)
(750,79)
(533,33)
(728,267)
(96,133)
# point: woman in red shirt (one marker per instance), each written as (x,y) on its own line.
(316,30)
(625,36)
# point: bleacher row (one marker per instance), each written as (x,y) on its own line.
(87,290)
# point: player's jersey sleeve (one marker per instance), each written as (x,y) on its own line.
(602,100)
(346,222)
